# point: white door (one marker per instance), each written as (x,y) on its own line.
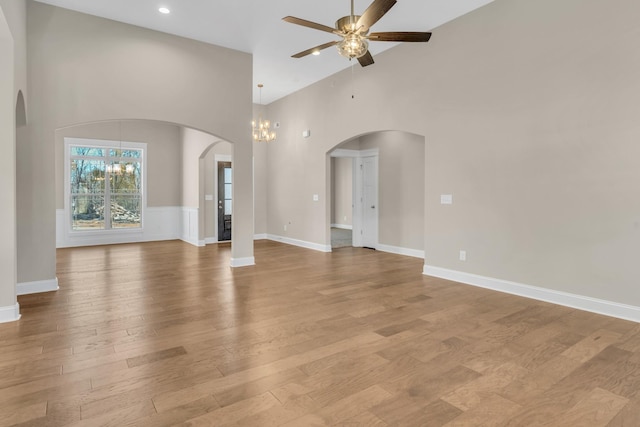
(370,202)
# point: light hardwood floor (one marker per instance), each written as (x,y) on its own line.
(168,334)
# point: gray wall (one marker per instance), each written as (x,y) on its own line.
(7,174)
(13,80)
(400,187)
(260,183)
(529,113)
(164,155)
(15,12)
(85,69)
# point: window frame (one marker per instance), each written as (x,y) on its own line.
(104,144)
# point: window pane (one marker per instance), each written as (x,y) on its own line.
(227,207)
(128,180)
(87,151)
(227,191)
(87,176)
(105,175)
(87,212)
(227,175)
(125,211)
(129,153)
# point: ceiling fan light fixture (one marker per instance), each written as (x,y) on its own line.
(354,30)
(353,46)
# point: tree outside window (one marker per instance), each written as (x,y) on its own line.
(106,188)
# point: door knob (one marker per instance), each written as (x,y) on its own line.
(373,206)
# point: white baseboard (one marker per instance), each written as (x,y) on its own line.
(243,262)
(415,253)
(10,313)
(260,236)
(594,305)
(342,226)
(210,240)
(300,243)
(195,242)
(37,287)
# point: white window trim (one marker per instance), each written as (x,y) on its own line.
(101,143)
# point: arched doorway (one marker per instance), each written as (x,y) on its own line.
(209,214)
(179,189)
(387,191)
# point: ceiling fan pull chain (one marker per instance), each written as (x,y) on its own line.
(353,82)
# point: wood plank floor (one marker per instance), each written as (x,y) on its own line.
(166,333)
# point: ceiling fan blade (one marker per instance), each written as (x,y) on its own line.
(308,24)
(374,12)
(366,59)
(399,36)
(314,49)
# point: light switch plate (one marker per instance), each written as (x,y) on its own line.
(316,198)
(208,197)
(446,199)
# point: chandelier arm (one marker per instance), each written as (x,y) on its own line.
(261,129)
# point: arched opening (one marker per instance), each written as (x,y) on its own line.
(211,202)
(176,174)
(376,190)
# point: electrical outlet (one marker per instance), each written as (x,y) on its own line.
(285,227)
(463,255)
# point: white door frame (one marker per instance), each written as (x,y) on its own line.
(218,158)
(368,207)
(358,191)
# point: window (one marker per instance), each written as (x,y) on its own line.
(105,185)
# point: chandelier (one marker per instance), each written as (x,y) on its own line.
(261,129)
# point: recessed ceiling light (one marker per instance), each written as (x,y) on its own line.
(315,52)
(164,10)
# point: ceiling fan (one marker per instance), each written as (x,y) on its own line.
(354,30)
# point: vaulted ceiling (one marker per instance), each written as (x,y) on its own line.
(256,27)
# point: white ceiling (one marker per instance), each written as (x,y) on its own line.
(256,26)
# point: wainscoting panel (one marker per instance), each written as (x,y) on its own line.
(189,227)
(160,223)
